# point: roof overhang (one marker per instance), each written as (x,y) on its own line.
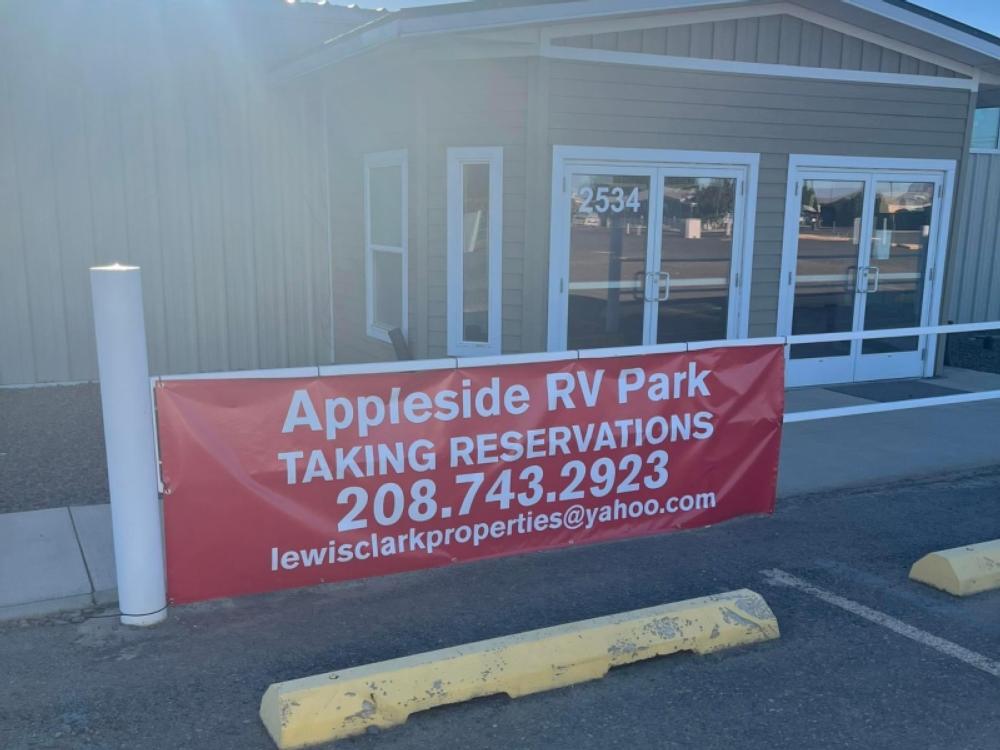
(892,18)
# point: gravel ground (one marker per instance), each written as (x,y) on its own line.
(51,448)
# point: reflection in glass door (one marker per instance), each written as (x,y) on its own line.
(865,242)
(896,295)
(696,257)
(609,248)
(826,272)
(898,258)
(653,255)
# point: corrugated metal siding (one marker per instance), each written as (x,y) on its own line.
(782,39)
(975,273)
(143,132)
(594,104)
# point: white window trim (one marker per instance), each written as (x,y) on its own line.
(859,164)
(457,158)
(563,157)
(373,161)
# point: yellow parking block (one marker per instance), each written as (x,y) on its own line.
(342,704)
(961,571)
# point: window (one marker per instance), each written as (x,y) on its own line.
(986,130)
(385,243)
(475,219)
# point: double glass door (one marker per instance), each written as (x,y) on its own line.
(864,251)
(653,254)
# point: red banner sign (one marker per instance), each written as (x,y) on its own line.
(281,483)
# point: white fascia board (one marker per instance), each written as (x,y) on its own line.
(928,25)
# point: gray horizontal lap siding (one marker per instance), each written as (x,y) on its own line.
(477,103)
(426,109)
(599,104)
(780,39)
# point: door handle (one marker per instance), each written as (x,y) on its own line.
(663,286)
(872,284)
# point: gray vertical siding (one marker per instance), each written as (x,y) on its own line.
(975,273)
(781,39)
(146,133)
(594,104)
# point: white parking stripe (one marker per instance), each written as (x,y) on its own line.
(777,577)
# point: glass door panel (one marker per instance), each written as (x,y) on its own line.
(895,273)
(826,271)
(608,259)
(696,254)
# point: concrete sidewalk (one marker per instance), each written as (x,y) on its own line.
(62,559)
(56,559)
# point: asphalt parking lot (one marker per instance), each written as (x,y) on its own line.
(833,679)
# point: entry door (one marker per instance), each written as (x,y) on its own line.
(653,255)
(864,255)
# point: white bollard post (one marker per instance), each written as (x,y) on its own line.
(128,435)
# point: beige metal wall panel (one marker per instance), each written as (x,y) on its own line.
(17,345)
(149,133)
(35,183)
